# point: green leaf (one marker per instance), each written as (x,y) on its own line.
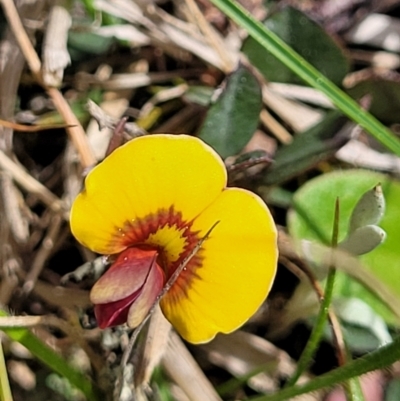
(363,329)
(305,37)
(232,119)
(392,392)
(199,94)
(385,97)
(312,218)
(272,43)
(308,148)
(84,44)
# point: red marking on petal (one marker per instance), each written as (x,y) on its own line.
(136,232)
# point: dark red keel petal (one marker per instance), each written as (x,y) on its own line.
(128,289)
(114,313)
(145,300)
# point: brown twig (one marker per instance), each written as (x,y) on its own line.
(30,184)
(212,37)
(30,128)
(42,254)
(74,332)
(75,130)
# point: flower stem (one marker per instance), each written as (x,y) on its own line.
(317,332)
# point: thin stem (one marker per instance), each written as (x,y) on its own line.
(74,128)
(317,332)
(382,358)
(5,391)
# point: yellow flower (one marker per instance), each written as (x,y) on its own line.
(149,203)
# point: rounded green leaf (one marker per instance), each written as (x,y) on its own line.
(308,39)
(312,218)
(232,119)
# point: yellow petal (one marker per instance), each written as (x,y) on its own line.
(238,268)
(140,178)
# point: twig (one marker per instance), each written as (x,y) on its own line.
(128,350)
(30,128)
(22,38)
(212,37)
(55,53)
(11,197)
(73,331)
(42,254)
(30,184)
(106,121)
(277,129)
(117,138)
(75,130)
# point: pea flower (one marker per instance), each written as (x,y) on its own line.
(148,204)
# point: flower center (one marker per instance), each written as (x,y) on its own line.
(171,236)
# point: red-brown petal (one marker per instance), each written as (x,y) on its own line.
(125,277)
(133,281)
(114,313)
(148,295)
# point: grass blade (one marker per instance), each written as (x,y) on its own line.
(308,73)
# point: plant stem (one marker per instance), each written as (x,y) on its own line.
(317,332)
(382,358)
(5,391)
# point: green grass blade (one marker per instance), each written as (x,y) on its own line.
(51,359)
(382,358)
(308,73)
(5,391)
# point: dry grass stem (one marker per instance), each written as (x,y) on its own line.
(22,38)
(299,116)
(277,129)
(182,368)
(42,254)
(55,53)
(12,201)
(27,182)
(212,37)
(75,129)
(152,350)
(163,96)
(301,93)
(73,331)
